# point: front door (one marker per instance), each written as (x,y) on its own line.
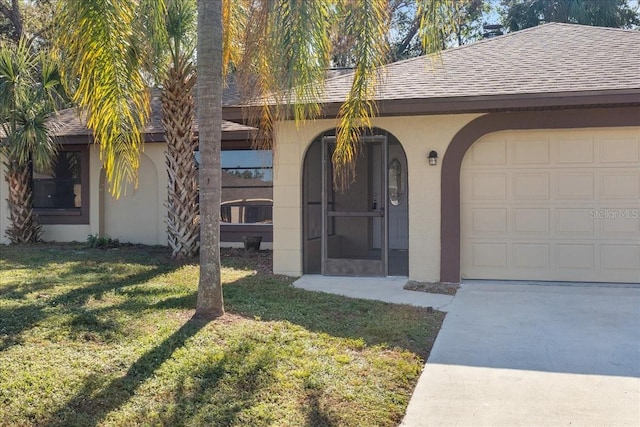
(354,221)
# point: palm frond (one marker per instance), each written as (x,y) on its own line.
(366,22)
(181,20)
(149,24)
(234,21)
(28,84)
(31,138)
(51,88)
(437,19)
(301,49)
(286,51)
(255,74)
(17,81)
(97,38)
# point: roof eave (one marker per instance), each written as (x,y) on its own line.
(482,103)
(496,103)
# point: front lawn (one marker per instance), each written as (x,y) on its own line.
(106,337)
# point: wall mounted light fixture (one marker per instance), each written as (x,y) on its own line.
(433,158)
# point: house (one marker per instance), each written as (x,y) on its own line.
(515,158)
(71,202)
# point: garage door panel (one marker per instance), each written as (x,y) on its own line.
(531,221)
(565,206)
(623,223)
(620,150)
(620,257)
(575,186)
(492,152)
(531,256)
(489,186)
(531,186)
(575,150)
(531,151)
(621,185)
(575,256)
(488,221)
(489,255)
(574,223)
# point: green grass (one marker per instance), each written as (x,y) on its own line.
(106,337)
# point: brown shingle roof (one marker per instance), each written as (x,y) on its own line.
(69,123)
(549,58)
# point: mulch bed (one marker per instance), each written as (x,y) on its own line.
(432,287)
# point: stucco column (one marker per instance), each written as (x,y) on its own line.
(287,205)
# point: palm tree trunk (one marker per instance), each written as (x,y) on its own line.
(24,227)
(210,303)
(178,111)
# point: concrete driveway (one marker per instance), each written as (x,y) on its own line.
(534,355)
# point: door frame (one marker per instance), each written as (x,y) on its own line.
(356,267)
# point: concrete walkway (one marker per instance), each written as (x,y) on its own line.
(388,289)
(521,354)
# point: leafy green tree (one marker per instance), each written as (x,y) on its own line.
(29,92)
(520,14)
(465,16)
(29,19)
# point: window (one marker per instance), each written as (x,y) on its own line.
(61,193)
(396,182)
(247,187)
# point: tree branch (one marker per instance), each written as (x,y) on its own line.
(13,14)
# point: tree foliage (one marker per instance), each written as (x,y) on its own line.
(107,58)
(520,14)
(29,92)
(28,19)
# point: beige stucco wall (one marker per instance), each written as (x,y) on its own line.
(418,135)
(139,215)
(66,232)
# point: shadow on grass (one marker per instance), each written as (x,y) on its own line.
(216,393)
(373,322)
(201,397)
(90,406)
(274,298)
(316,416)
(15,320)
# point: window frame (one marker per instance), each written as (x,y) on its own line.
(268,185)
(235,232)
(70,215)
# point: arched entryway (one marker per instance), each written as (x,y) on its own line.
(362,231)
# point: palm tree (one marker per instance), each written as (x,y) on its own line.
(28,85)
(178,112)
(210,300)
(279,52)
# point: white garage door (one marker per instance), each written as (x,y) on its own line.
(552,205)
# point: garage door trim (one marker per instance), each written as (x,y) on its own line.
(452,162)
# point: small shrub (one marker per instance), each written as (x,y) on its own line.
(102,242)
